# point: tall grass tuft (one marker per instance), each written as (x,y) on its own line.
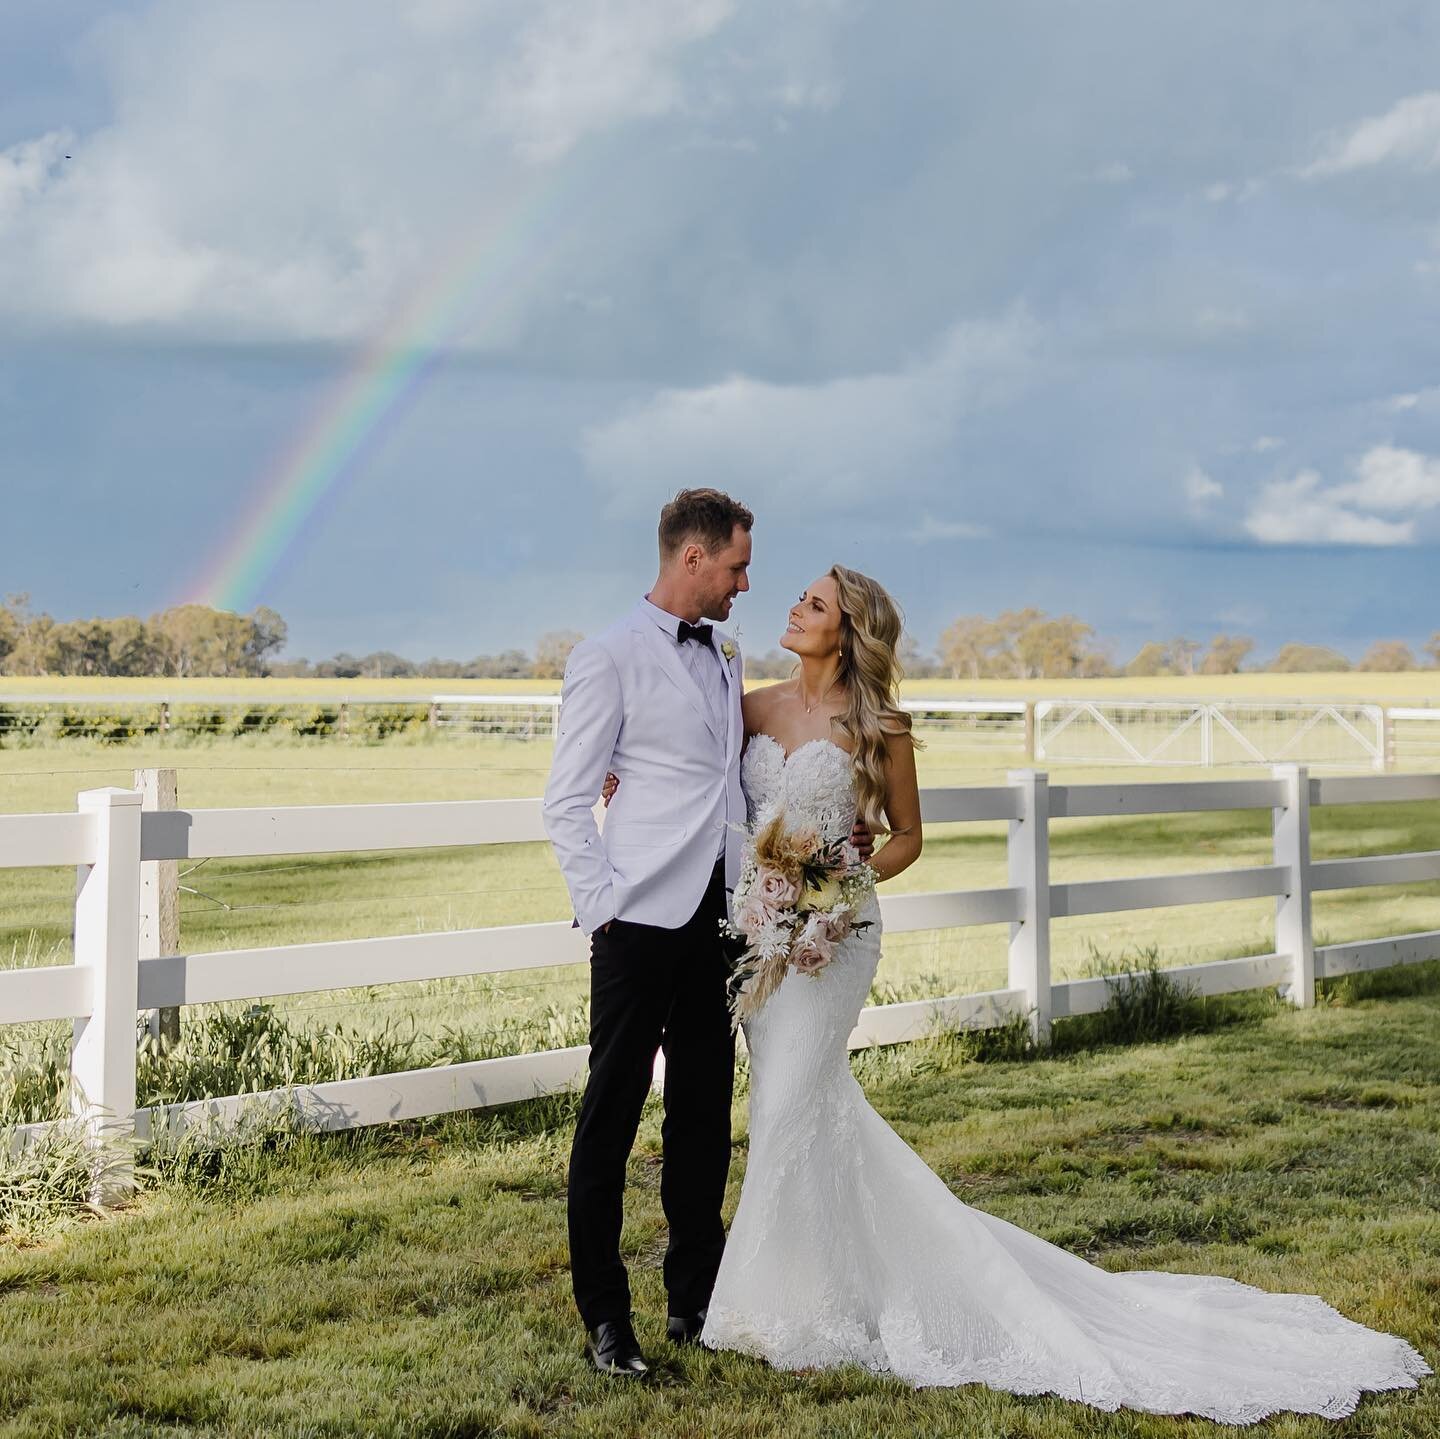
(47,1186)
(34,1076)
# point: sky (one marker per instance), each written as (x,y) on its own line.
(1125,310)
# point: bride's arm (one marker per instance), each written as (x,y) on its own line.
(902,810)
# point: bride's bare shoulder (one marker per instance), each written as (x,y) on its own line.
(758,704)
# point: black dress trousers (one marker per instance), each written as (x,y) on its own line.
(651,989)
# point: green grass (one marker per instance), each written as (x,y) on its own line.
(413,1280)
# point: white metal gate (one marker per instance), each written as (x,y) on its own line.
(1184,732)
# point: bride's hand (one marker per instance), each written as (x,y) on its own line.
(607,790)
(861,838)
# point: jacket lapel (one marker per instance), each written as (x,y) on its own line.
(668,655)
(732,702)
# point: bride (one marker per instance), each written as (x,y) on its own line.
(846,1247)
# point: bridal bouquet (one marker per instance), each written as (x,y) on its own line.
(796,899)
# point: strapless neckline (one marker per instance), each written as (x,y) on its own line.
(788,755)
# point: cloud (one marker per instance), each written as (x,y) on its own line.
(1388,481)
(383,141)
(1263,444)
(1407,133)
(1300,512)
(1117,172)
(580,67)
(1238,190)
(1200,489)
(838,438)
(1422,400)
(931,529)
(1393,481)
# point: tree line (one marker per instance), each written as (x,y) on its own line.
(195,640)
(182,641)
(1030,644)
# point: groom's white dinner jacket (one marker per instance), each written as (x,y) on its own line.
(631,705)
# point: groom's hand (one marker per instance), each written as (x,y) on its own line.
(607,790)
(863,840)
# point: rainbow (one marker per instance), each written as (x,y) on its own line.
(469,289)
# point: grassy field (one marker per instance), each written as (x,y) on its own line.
(413,1281)
(293,899)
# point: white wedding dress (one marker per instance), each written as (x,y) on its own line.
(847,1248)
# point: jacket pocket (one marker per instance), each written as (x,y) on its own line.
(640,833)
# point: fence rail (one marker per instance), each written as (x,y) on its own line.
(1087,730)
(112,839)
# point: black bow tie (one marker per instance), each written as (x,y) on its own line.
(686,631)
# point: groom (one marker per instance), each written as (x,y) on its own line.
(655,699)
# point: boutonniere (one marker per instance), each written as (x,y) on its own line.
(727,648)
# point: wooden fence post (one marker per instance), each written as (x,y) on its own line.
(160,899)
(1028,850)
(107,923)
(1030,730)
(1294,935)
(1387,740)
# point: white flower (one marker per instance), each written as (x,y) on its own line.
(727,648)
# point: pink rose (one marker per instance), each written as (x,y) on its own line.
(752,914)
(814,948)
(774,889)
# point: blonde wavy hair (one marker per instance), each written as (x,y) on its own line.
(870,628)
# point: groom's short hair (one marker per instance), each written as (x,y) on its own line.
(706,517)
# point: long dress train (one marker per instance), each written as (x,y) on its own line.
(847,1248)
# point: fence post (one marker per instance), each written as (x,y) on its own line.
(160,899)
(1293,933)
(1028,850)
(1387,740)
(107,925)
(1030,730)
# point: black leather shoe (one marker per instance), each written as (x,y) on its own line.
(614,1349)
(685,1328)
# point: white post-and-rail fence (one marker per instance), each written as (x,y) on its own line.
(1091,730)
(114,841)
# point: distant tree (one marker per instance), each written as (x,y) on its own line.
(551,652)
(510,664)
(1053,648)
(268,633)
(133,649)
(1182,655)
(1388,657)
(1150,660)
(1307,659)
(9,634)
(1432,648)
(385,665)
(1096,663)
(30,649)
(1009,626)
(296,669)
(81,647)
(1226,654)
(343,666)
(914,662)
(969,646)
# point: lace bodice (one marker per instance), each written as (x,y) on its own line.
(813,785)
